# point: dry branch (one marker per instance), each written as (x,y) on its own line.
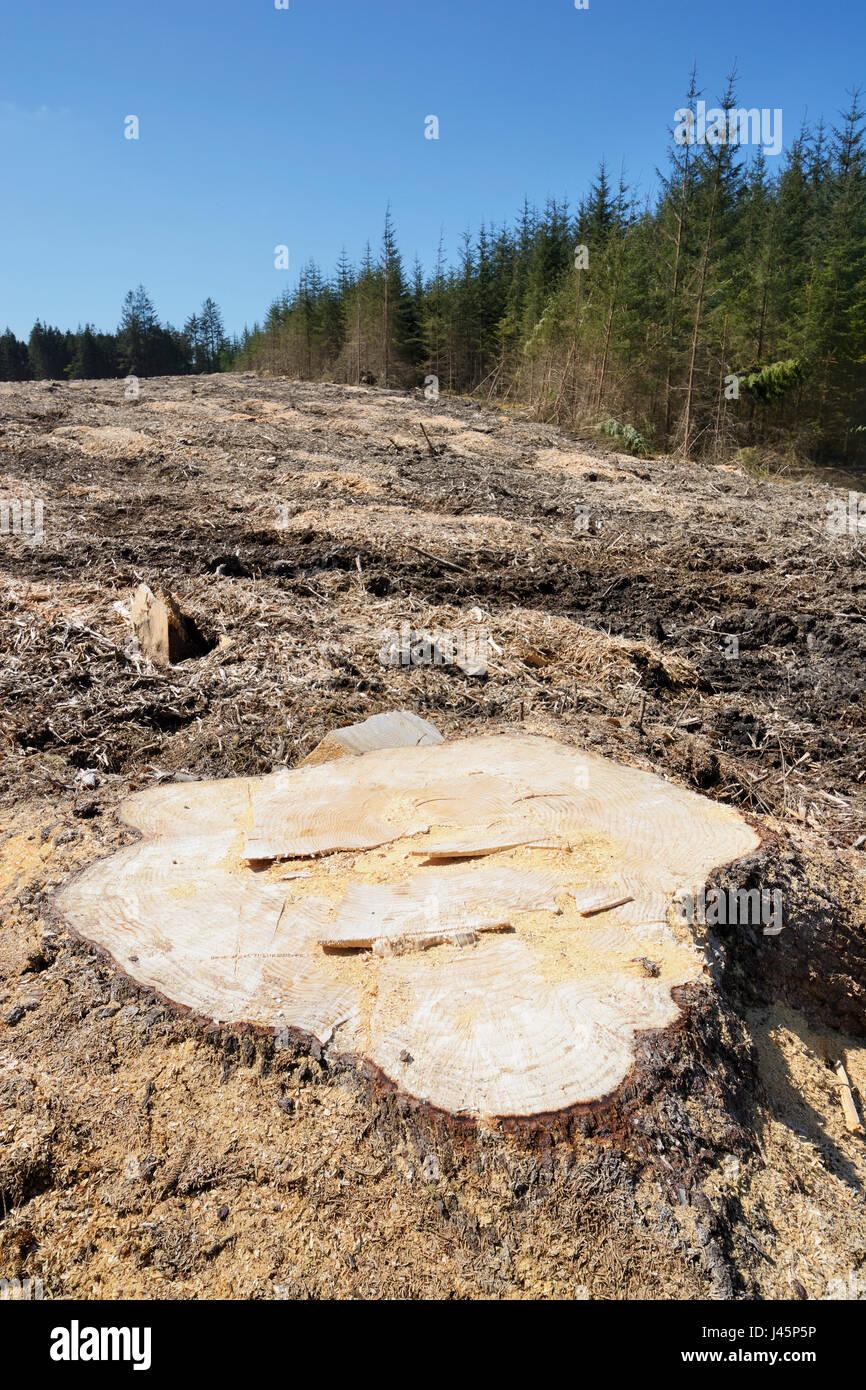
(846,1096)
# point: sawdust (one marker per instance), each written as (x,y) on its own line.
(805,1202)
(103,439)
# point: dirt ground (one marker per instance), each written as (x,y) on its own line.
(703,623)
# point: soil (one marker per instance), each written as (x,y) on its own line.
(701,622)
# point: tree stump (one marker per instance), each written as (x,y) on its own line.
(165,634)
(486,922)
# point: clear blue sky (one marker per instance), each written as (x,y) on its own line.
(261,127)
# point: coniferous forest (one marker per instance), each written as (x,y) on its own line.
(727,312)
(142,346)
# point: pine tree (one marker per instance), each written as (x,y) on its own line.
(138,333)
(14,358)
(212,334)
(48,352)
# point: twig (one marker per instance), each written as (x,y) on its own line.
(604,906)
(686,706)
(846,1095)
(438,559)
(434,451)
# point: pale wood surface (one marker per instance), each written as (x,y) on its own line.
(396,729)
(423,902)
(160,627)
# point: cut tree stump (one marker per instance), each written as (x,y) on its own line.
(164,633)
(423,909)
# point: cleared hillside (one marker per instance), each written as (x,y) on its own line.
(347,551)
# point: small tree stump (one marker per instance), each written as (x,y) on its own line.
(164,633)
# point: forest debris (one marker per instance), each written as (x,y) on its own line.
(603,904)
(534,658)
(846,1096)
(650,968)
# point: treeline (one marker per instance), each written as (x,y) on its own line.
(142,346)
(728,311)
